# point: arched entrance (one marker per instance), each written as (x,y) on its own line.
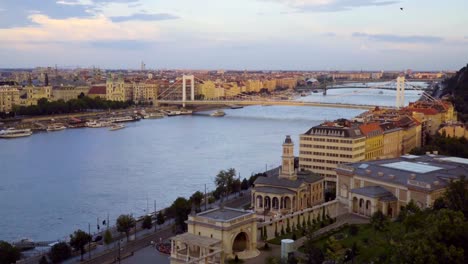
(275,203)
(240,242)
(267,203)
(259,201)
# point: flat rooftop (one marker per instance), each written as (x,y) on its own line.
(426,172)
(224,214)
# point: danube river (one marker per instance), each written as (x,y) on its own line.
(54,183)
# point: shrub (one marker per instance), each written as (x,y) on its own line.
(353,230)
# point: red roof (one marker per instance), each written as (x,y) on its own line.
(97,90)
(426,111)
(366,129)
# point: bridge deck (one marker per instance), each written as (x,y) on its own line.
(285,103)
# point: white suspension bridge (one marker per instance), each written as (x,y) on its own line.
(177,94)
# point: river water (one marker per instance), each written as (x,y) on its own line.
(54,183)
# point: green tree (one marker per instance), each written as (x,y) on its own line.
(224,181)
(8,253)
(107,237)
(333,248)
(456,196)
(180,209)
(197,199)
(379,222)
(160,218)
(78,241)
(245,184)
(351,253)
(59,252)
(125,223)
(288,226)
(147,222)
(313,254)
(43,260)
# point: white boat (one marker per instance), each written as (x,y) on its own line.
(218,113)
(186,112)
(15,133)
(119,119)
(155,115)
(173,113)
(55,127)
(117,127)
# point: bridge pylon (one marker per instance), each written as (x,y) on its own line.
(400,94)
(191,78)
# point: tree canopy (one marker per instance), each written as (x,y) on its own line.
(125,223)
(78,241)
(8,253)
(59,252)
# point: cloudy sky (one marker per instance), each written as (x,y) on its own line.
(236,34)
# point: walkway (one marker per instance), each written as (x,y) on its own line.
(350,219)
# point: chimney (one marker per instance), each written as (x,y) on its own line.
(392,176)
(435,152)
(436,183)
(368,171)
(412,176)
(428,152)
(381,173)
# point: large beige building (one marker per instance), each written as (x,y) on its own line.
(392,140)
(216,235)
(144,92)
(115,89)
(9,97)
(68,92)
(325,146)
(288,192)
(33,94)
(387,185)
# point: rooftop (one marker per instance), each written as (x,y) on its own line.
(192,239)
(426,172)
(224,214)
(375,192)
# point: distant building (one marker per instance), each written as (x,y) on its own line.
(68,92)
(115,89)
(97,91)
(9,97)
(387,185)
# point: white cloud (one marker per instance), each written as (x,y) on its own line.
(98,28)
(331,5)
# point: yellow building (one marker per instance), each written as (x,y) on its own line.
(270,85)
(66,93)
(387,185)
(392,140)
(216,235)
(325,146)
(115,89)
(253,85)
(33,94)
(231,89)
(9,96)
(374,140)
(289,83)
(144,92)
(455,131)
(288,192)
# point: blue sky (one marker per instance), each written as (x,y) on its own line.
(236,34)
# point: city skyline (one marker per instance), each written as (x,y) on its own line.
(237,35)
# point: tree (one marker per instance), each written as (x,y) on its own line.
(160,218)
(107,237)
(456,196)
(313,254)
(59,252)
(180,209)
(43,260)
(8,253)
(78,241)
(288,227)
(245,184)
(125,223)
(351,253)
(147,222)
(224,180)
(333,248)
(379,221)
(197,199)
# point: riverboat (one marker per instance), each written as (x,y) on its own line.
(173,113)
(236,106)
(55,127)
(186,112)
(218,113)
(96,124)
(117,127)
(155,115)
(121,119)
(15,133)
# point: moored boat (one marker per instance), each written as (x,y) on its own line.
(186,112)
(218,113)
(15,133)
(55,127)
(155,115)
(117,127)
